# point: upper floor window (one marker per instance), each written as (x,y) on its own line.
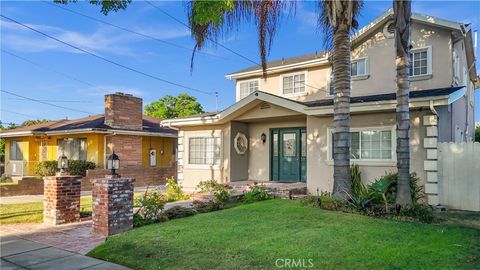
(16,150)
(293,84)
(331,89)
(73,148)
(359,67)
(421,61)
(248,87)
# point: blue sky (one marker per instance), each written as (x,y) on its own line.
(93,78)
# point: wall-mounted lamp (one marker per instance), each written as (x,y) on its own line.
(263,137)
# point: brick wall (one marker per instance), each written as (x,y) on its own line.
(61,201)
(143,176)
(123,111)
(128,148)
(26,186)
(112,205)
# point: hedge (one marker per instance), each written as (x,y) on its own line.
(75,167)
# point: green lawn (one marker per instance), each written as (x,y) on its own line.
(257,235)
(33,212)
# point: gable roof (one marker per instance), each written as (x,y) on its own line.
(94,123)
(320,58)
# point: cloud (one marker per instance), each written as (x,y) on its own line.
(104,39)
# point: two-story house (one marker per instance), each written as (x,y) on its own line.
(280,128)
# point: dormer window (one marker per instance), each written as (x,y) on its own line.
(248,87)
(293,84)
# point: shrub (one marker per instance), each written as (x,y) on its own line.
(75,167)
(139,221)
(46,168)
(151,205)
(179,212)
(174,191)
(80,167)
(206,206)
(256,193)
(208,186)
(222,195)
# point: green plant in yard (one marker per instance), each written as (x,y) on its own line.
(380,188)
(208,186)
(80,167)
(46,168)
(150,205)
(174,191)
(206,206)
(75,167)
(179,212)
(222,195)
(256,193)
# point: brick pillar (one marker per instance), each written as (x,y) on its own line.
(61,203)
(112,205)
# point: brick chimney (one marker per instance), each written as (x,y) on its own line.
(123,111)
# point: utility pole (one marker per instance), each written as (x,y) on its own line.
(216,100)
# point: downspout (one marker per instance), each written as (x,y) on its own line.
(432,109)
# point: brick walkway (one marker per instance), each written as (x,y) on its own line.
(75,237)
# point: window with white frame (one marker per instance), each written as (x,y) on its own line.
(16,150)
(204,150)
(369,144)
(73,148)
(293,84)
(359,67)
(420,62)
(248,87)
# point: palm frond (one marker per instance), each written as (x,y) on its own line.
(210,19)
(331,12)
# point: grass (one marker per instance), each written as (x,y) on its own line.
(33,212)
(257,235)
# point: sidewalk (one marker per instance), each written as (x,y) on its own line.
(18,253)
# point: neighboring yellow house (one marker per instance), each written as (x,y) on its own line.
(139,141)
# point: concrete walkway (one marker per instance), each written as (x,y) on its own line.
(19,253)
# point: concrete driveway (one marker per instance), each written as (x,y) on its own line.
(19,253)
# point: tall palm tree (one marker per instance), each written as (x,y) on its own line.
(402,11)
(338,17)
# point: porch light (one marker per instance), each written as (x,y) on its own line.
(62,163)
(113,163)
(263,137)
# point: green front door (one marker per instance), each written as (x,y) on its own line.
(288,155)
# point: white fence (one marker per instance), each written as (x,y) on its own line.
(459,175)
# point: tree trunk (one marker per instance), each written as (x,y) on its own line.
(402,15)
(342,183)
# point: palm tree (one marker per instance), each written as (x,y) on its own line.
(402,19)
(210,18)
(338,19)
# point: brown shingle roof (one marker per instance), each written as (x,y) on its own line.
(150,124)
(286,61)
